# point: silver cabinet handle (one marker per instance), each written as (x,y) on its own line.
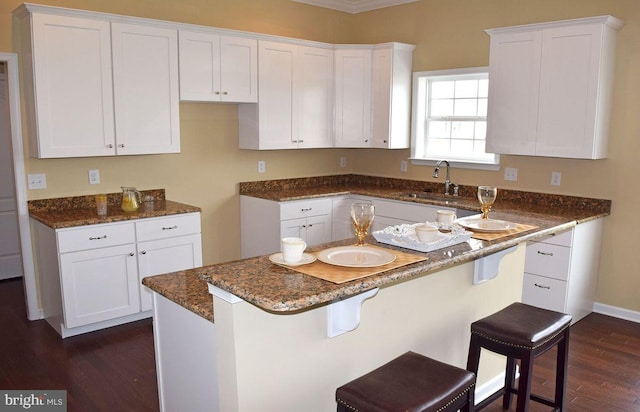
(170,228)
(542,286)
(110,146)
(97,237)
(225,93)
(545,253)
(217,93)
(308,209)
(132,254)
(144,252)
(121,145)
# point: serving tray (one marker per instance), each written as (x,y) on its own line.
(405,236)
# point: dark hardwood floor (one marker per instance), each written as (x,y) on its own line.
(108,370)
(114,369)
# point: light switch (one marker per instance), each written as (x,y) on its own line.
(261,166)
(94,176)
(37,181)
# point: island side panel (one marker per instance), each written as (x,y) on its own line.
(286,362)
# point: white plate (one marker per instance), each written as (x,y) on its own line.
(477,224)
(279,260)
(356,256)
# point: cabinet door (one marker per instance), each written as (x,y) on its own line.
(569,76)
(353,97)
(318,230)
(514,73)
(156,257)
(314,96)
(293,228)
(199,66)
(145,81)
(73,87)
(99,285)
(276,121)
(238,69)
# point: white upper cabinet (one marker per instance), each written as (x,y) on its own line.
(550,88)
(216,68)
(353,96)
(71,91)
(145,84)
(95,87)
(391,94)
(295,106)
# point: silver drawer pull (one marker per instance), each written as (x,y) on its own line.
(131,254)
(144,252)
(542,286)
(545,253)
(170,227)
(308,209)
(97,237)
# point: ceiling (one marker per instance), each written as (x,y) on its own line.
(354,6)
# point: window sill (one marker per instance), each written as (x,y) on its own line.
(460,164)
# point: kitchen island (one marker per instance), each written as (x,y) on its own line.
(274,344)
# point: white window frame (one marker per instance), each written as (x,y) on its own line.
(418,141)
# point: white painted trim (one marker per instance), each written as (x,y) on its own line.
(31,292)
(617,312)
(489,387)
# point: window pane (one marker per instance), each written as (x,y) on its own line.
(466,107)
(442,89)
(466,88)
(483,88)
(481,130)
(441,107)
(482,107)
(438,146)
(462,147)
(441,129)
(462,130)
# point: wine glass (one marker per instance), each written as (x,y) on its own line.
(486,196)
(362,215)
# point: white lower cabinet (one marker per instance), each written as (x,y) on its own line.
(264,222)
(89,276)
(561,271)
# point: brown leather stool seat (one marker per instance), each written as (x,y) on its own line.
(522,332)
(411,382)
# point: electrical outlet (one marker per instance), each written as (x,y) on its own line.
(94,176)
(37,181)
(403,166)
(261,166)
(556,177)
(511,174)
(343,162)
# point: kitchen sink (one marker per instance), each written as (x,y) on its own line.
(430,196)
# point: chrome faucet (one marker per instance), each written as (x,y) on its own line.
(447,181)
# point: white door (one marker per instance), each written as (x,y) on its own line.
(314,96)
(156,257)
(10,259)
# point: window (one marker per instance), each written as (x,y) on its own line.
(450,116)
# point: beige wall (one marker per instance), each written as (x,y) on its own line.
(448,34)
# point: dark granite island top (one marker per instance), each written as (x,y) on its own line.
(279,289)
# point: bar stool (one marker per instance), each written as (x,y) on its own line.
(411,382)
(522,332)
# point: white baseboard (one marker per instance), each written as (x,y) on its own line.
(617,312)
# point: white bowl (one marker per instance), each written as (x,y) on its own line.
(426,233)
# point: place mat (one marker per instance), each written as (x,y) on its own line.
(341,274)
(498,235)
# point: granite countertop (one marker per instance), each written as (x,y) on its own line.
(278,289)
(59,213)
(184,288)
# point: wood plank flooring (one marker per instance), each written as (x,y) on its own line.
(114,369)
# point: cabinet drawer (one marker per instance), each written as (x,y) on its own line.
(548,260)
(95,236)
(169,226)
(560,239)
(304,208)
(544,292)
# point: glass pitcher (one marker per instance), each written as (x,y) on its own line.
(130,199)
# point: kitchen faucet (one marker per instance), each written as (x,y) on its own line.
(447,181)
